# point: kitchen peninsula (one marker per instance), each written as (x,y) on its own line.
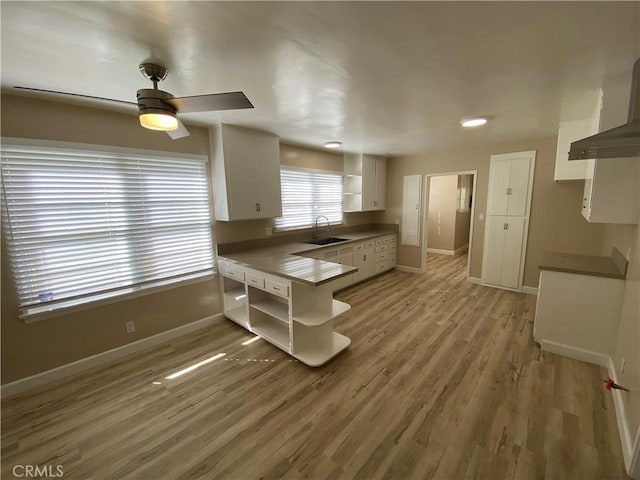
(284,293)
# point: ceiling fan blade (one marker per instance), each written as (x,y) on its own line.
(180,132)
(74,95)
(212,102)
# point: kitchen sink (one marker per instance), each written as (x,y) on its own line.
(327,241)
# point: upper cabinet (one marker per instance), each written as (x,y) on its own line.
(246,173)
(611,191)
(570,132)
(364,183)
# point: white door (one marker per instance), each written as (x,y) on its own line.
(512,256)
(368,182)
(410,234)
(498,187)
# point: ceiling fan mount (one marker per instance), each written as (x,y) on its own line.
(153,71)
(158,110)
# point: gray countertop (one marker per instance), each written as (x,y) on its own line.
(284,260)
(614,266)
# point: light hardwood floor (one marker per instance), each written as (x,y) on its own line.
(442,380)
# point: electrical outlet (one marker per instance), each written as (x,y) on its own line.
(268,231)
(131,327)
(622,364)
(481,217)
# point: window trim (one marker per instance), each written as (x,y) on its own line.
(36,313)
(311,170)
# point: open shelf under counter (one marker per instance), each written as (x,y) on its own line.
(277,310)
(235,295)
(317,317)
(238,315)
(314,357)
(273,332)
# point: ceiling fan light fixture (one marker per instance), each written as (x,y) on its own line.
(332,144)
(159,121)
(474,122)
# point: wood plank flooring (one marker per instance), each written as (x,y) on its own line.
(442,381)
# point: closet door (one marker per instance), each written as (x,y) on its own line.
(499,177)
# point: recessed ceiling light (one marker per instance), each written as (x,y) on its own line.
(474,122)
(332,144)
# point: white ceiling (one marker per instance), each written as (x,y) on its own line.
(382,77)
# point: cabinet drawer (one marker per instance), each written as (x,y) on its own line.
(254,280)
(382,248)
(381,266)
(231,271)
(381,256)
(386,240)
(369,244)
(392,261)
(378,241)
(392,247)
(357,247)
(393,239)
(277,288)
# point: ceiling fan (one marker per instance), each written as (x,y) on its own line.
(157,109)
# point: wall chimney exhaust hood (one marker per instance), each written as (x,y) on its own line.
(619,142)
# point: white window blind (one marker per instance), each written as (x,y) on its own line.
(306,194)
(85,225)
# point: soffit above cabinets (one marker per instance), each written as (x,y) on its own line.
(382,77)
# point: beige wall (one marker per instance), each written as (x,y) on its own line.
(442,212)
(627,345)
(463,225)
(31,348)
(555,223)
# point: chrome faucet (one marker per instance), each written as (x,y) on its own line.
(316,233)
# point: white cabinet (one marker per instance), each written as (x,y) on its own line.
(246,173)
(294,317)
(611,192)
(365,182)
(411,201)
(509,181)
(363,259)
(570,132)
(576,315)
(502,263)
(509,203)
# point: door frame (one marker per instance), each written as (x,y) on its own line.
(532,170)
(425,214)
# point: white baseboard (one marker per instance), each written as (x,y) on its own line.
(574,352)
(63,371)
(475,280)
(440,251)
(623,425)
(461,250)
(529,290)
(404,268)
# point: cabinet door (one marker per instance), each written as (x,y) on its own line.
(512,254)
(368,182)
(518,188)
(494,246)
(381,184)
(498,185)
(252,164)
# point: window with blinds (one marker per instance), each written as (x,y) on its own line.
(86,225)
(306,194)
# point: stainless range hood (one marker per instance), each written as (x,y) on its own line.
(619,142)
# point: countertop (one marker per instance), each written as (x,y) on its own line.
(284,260)
(614,266)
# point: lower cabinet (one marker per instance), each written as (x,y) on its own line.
(503,251)
(295,317)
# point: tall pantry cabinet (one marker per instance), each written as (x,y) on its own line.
(507,223)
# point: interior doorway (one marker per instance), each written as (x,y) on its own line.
(449,200)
